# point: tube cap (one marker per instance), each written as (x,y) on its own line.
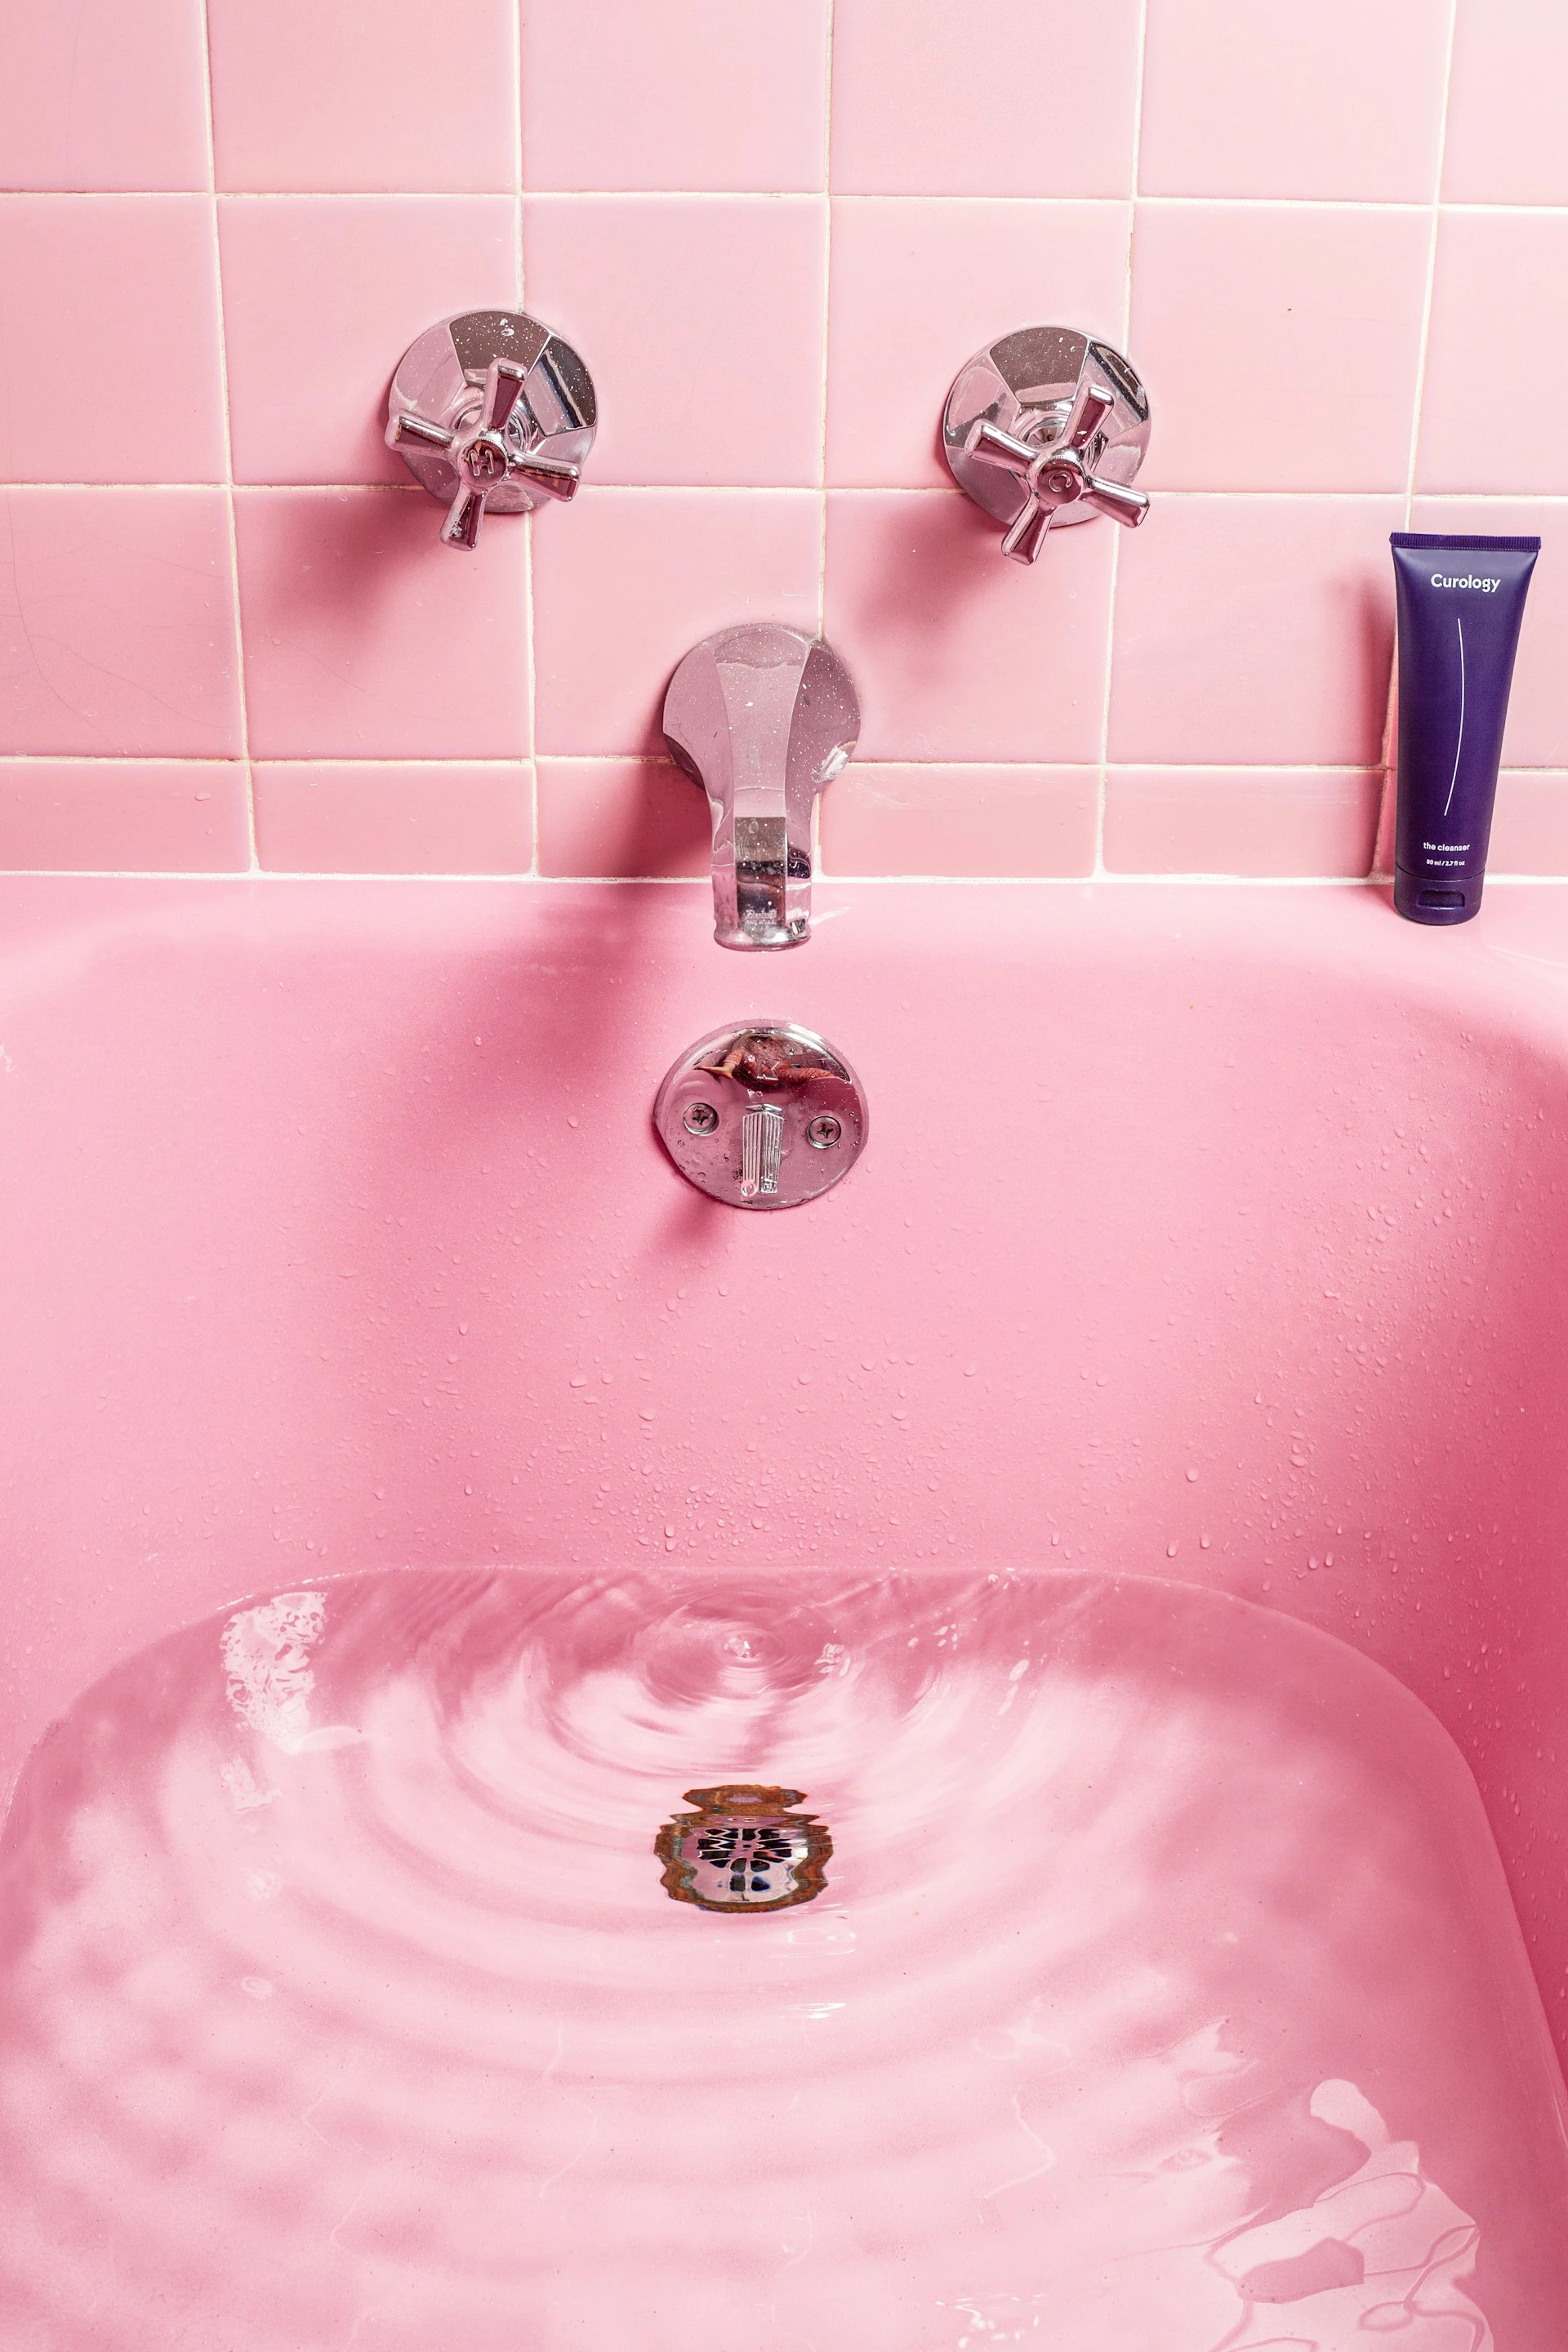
(1421,900)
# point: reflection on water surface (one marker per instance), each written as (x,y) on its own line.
(1150,2007)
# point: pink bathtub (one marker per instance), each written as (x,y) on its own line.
(1131,1506)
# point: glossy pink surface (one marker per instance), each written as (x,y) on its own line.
(920,107)
(1282,283)
(1504,144)
(317,294)
(721,557)
(1530,826)
(775,232)
(1332,101)
(643,286)
(909,272)
(1250,820)
(1254,632)
(950,664)
(922,819)
(64,78)
(1493,264)
(622,818)
(377,817)
(117,635)
(355,650)
(1205,1239)
(165,817)
(742,96)
(382,106)
(150,262)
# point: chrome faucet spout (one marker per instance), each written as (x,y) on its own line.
(762,717)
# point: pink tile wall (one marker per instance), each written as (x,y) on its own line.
(230,640)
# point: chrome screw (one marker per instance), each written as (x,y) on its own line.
(701,1118)
(824,1131)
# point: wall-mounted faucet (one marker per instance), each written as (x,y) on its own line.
(492,412)
(763,718)
(1047,427)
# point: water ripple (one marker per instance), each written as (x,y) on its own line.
(342,2002)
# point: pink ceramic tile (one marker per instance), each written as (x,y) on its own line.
(1530,826)
(116,623)
(112,816)
(1497,287)
(1505,143)
(629,579)
(1335,100)
(373,94)
(917,285)
(147,265)
(103,95)
(690,94)
(1240,313)
(621,818)
(958,654)
(701,321)
(395,819)
(930,99)
(960,820)
(1253,821)
(322,297)
(1537,732)
(1254,632)
(365,638)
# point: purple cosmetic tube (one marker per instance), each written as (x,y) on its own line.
(1459,602)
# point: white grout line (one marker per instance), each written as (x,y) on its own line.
(768,196)
(1435,209)
(1422,351)
(699,883)
(530,658)
(826,331)
(201,762)
(1137,178)
(1134,176)
(532,683)
(827,201)
(599,490)
(239,678)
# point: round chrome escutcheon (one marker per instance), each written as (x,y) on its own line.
(762,1116)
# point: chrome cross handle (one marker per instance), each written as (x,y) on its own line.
(1047,427)
(492,413)
(481,455)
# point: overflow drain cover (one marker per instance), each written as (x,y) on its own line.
(762,1116)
